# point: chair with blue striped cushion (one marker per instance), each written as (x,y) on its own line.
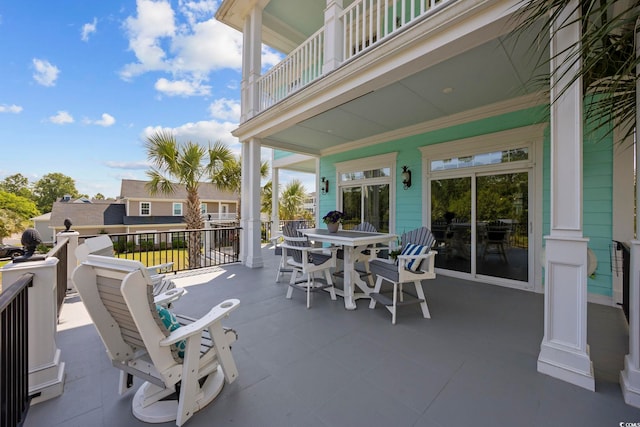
(415,263)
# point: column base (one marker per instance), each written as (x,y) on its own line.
(567,364)
(47,382)
(630,383)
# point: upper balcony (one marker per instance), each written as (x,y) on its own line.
(359,70)
(361,26)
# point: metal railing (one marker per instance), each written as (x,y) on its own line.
(14,352)
(185,249)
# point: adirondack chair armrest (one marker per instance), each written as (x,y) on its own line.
(160,268)
(169,296)
(216,314)
(421,256)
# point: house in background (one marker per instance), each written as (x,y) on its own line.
(420,113)
(136,211)
(41,224)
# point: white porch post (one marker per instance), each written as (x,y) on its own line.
(275,197)
(333,38)
(630,376)
(72,261)
(251,203)
(564,352)
(251,62)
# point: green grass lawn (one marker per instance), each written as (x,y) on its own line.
(178,257)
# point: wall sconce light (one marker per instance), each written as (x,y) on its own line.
(406,177)
(324,185)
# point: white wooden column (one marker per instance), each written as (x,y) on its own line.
(253,56)
(333,36)
(630,376)
(564,353)
(252,255)
(275,197)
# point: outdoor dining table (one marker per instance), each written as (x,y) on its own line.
(352,242)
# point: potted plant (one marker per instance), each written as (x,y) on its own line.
(333,220)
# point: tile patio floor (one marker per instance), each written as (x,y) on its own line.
(472,364)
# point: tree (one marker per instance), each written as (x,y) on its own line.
(186,164)
(605,54)
(51,187)
(292,200)
(15,213)
(99,196)
(229,177)
(17,184)
(266,197)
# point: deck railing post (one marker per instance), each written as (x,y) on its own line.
(333,35)
(72,261)
(46,370)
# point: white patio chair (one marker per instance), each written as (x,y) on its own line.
(307,260)
(415,263)
(164,289)
(118,295)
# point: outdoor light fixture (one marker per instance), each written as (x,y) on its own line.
(324,185)
(406,177)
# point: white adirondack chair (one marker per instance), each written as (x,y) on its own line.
(118,295)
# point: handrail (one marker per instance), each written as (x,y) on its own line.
(60,251)
(14,355)
(298,69)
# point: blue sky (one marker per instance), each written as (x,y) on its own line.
(82,84)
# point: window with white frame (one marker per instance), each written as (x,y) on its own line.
(177,209)
(366,191)
(203,208)
(145,208)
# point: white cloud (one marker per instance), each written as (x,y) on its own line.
(88,29)
(201,132)
(225,109)
(186,42)
(46,73)
(127,165)
(13,108)
(181,87)
(61,118)
(106,120)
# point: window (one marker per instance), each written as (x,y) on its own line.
(177,209)
(203,208)
(145,208)
(365,191)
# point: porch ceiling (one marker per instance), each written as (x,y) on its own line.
(495,71)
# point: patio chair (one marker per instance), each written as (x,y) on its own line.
(415,263)
(164,289)
(277,249)
(118,295)
(496,240)
(307,260)
(361,255)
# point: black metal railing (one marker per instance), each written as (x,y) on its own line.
(60,251)
(14,352)
(184,249)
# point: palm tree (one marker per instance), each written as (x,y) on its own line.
(292,200)
(266,197)
(185,164)
(229,176)
(606,50)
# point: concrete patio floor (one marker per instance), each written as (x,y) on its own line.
(473,363)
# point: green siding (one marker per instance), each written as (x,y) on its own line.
(597,175)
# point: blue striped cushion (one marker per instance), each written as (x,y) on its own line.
(411,249)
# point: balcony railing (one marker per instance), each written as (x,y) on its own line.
(60,251)
(297,70)
(365,23)
(14,355)
(216,246)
